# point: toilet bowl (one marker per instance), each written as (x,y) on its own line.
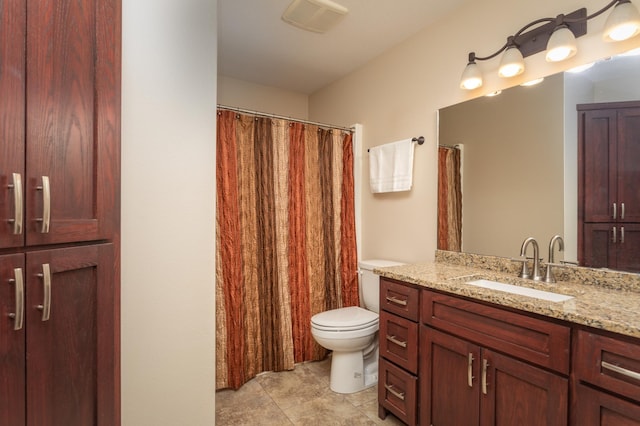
(351,334)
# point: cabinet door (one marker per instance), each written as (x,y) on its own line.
(12,340)
(12,84)
(628,247)
(70,337)
(596,408)
(597,164)
(598,250)
(628,154)
(517,393)
(449,379)
(72,120)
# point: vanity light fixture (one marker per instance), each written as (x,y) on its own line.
(555,35)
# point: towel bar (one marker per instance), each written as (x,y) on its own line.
(419,140)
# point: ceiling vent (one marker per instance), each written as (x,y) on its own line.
(314,15)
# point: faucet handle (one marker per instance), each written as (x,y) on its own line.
(524,272)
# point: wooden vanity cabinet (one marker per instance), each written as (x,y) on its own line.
(398,363)
(607,380)
(482,365)
(608,199)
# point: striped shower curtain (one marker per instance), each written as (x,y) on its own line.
(449,199)
(286,246)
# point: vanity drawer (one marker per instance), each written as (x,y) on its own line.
(399,341)
(399,299)
(608,363)
(540,342)
(397,392)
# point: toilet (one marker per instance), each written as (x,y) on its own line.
(352,334)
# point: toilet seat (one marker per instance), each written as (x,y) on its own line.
(352,318)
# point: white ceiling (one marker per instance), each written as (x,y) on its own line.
(256,45)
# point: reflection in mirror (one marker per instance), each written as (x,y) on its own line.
(519,157)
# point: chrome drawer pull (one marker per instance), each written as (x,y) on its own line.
(622,211)
(614,235)
(17,204)
(18,316)
(485,364)
(622,235)
(396,301)
(470,370)
(46,205)
(620,370)
(615,211)
(46,282)
(399,395)
(393,339)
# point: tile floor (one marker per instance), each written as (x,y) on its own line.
(298,397)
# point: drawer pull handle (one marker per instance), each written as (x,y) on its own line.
(46,283)
(46,205)
(18,315)
(393,339)
(18,213)
(399,395)
(620,370)
(615,211)
(622,211)
(470,370)
(485,364)
(396,301)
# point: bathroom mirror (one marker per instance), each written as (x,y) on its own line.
(519,157)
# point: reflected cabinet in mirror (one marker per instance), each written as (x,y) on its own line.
(519,166)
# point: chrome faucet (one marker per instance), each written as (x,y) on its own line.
(548,276)
(536,259)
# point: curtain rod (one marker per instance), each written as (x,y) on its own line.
(282,117)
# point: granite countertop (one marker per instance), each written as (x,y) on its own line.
(595,304)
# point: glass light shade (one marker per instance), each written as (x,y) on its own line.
(561,45)
(512,63)
(622,23)
(471,77)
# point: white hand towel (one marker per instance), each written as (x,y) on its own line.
(391,166)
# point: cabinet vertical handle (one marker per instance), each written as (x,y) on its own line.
(46,205)
(622,235)
(622,211)
(485,364)
(614,235)
(18,218)
(46,283)
(18,316)
(615,211)
(470,370)
(399,395)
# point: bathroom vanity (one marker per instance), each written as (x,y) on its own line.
(455,353)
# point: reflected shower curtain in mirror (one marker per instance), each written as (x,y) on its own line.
(449,199)
(286,246)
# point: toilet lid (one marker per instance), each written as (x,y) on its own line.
(349,318)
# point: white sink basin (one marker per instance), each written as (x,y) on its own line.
(524,291)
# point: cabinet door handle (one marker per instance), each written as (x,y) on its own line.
(614,235)
(46,283)
(399,395)
(396,301)
(622,211)
(622,235)
(46,205)
(615,211)
(18,316)
(18,219)
(470,370)
(485,364)
(620,370)
(393,339)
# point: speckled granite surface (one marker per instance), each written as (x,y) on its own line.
(602,299)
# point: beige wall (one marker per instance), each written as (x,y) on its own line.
(397,96)
(168,200)
(255,97)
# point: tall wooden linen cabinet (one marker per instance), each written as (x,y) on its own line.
(608,179)
(60,212)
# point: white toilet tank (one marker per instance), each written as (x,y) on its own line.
(370,282)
